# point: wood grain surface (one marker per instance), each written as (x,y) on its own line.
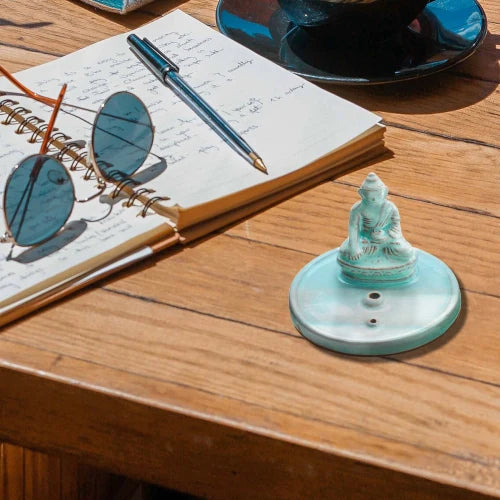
(31,475)
(186,370)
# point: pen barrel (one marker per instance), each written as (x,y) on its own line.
(183,90)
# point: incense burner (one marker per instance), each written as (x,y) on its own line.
(375,294)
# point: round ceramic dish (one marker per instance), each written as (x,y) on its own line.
(444,34)
(371,319)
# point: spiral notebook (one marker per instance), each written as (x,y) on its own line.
(303,133)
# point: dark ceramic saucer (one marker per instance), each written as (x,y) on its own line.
(444,34)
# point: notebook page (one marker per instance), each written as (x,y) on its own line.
(79,241)
(288,121)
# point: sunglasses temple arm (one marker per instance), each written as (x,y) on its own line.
(26,90)
(51,102)
(52,121)
(34,174)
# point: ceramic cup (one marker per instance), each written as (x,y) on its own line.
(354,20)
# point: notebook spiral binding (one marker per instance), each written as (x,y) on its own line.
(133,197)
(31,124)
(31,119)
(121,185)
(67,148)
(150,203)
(10,116)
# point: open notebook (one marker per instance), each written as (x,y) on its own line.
(303,133)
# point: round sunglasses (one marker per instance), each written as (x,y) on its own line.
(39,195)
(122,136)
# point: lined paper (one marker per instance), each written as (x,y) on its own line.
(288,121)
(78,242)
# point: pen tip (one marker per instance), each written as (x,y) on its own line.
(258,163)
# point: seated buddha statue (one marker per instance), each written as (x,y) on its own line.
(375,249)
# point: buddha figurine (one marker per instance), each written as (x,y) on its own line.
(375,249)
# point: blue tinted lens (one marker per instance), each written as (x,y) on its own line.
(39,198)
(122,136)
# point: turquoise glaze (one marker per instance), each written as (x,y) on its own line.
(375,250)
(377,319)
(375,294)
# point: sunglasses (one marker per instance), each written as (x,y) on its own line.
(39,194)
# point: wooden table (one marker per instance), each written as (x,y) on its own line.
(186,370)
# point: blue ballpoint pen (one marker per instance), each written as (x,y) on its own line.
(168,73)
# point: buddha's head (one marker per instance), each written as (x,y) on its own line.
(373,190)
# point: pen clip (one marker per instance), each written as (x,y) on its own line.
(159,53)
(151,57)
